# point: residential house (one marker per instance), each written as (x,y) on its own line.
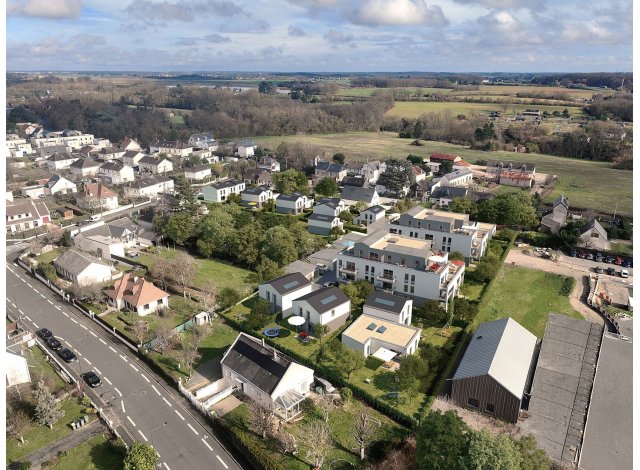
(96,196)
(593,235)
(134,293)
(132,158)
(369,171)
(269,164)
(305,268)
(449,231)
(258,177)
(294,204)
(108,154)
(116,172)
(46,152)
(17,369)
(330,170)
(328,306)
(205,155)
(84,168)
(154,165)
(555,219)
(370,215)
(282,291)
(102,246)
(60,161)
(389,307)
(9,196)
(496,167)
(151,186)
(381,338)
(266,376)
(81,268)
(457,178)
(402,265)
(256,197)
(516,178)
(88,151)
(496,367)
(220,191)
(23,216)
(357,181)
(59,185)
(246,148)
(16,146)
(353,195)
(197,172)
(25,129)
(33,192)
(329,206)
(322,224)
(171,147)
(442,196)
(419,173)
(203,141)
(444,157)
(129,145)
(100,143)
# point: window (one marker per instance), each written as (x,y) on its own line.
(333,312)
(473,403)
(406,288)
(146,306)
(411,289)
(406,278)
(444,239)
(449,241)
(489,408)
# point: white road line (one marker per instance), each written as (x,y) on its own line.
(191,427)
(83,327)
(58,308)
(98,370)
(134,367)
(88,362)
(15,265)
(108,381)
(67,343)
(165,400)
(222,461)
(122,405)
(116,389)
(123,358)
(27,317)
(207,444)
(14,305)
(49,300)
(131,421)
(156,390)
(178,413)
(143,436)
(21,312)
(111,347)
(165,465)
(93,334)
(23,280)
(145,377)
(42,295)
(74,320)
(103,341)
(36,325)
(65,314)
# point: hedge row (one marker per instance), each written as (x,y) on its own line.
(355,228)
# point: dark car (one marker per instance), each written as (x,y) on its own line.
(573,253)
(590,256)
(610,259)
(44,333)
(611,271)
(67,355)
(599,269)
(92,379)
(53,343)
(626,263)
(599,257)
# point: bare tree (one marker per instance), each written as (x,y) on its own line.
(287,441)
(261,418)
(318,440)
(161,271)
(326,405)
(208,297)
(86,291)
(183,270)
(163,339)
(189,355)
(17,424)
(139,330)
(364,430)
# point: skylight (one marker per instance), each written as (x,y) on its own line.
(329,299)
(372,326)
(291,284)
(389,303)
(382,329)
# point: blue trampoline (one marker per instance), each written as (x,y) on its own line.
(271,332)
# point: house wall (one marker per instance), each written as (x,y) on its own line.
(281,302)
(291,207)
(367,217)
(297,377)
(234,378)
(94,274)
(101,250)
(212,194)
(319,227)
(152,306)
(486,390)
(153,190)
(245,152)
(403,318)
(333,318)
(17,370)
(32,191)
(118,177)
(326,210)
(199,175)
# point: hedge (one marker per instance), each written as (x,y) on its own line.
(355,228)
(259,457)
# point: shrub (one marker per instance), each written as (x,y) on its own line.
(346,393)
(567,286)
(504,234)
(26,465)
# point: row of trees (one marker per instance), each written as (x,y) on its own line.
(513,209)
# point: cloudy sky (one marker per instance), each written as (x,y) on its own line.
(320,35)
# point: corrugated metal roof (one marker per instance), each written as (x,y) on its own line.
(502,349)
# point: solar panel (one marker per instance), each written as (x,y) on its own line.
(329,299)
(291,284)
(382,329)
(389,303)
(372,326)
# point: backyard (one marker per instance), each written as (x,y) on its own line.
(98,453)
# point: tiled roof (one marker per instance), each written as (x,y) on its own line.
(134,290)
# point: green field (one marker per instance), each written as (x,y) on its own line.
(414,109)
(537,293)
(587,184)
(97,453)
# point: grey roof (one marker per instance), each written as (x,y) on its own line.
(325,299)
(197,168)
(251,174)
(149,181)
(358,181)
(458,173)
(132,153)
(330,167)
(256,363)
(85,163)
(325,257)
(174,144)
(332,202)
(199,137)
(149,160)
(448,192)
(60,157)
(354,193)
(226,184)
(384,301)
(561,200)
(375,209)
(246,143)
(288,283)
(255,191)
(289,197)
(502,349)
(593,224)
(113,165)
(115,229)
(321,217)
(75,262)
(301,267)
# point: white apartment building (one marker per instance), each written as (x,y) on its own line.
(220,191)
(16,146)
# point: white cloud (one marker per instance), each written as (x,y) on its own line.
(216,38)
(296,31)
(590,32)
(54,9)
(398,12)
(502,4)
(182,10)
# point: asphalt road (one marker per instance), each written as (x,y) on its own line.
(139,399)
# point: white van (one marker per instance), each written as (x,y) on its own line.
(95,218)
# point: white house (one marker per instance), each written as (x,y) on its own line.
(281,291)
(332,170)
(82,268)
(26,215)
(116,172)
(128,144)
(370,171)
(33,192)
(329,206)
(353,195)
(246,148)
(137,294)
(266,376)
(419,173)
(197,172)
(462,177)
(108,154)
(389,307)
(84,167)
(269,164)
(256,197)
(97,196)
(154,165)
(171,147)
(60,161)
(132,157)
(328,306)
(203,141)
(294,204)
(321,224)
(59,185)
(149,187)
(16,146)
(370,215)
(220,191)
(102,246)
(381,338)
(17,369)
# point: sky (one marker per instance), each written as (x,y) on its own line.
(320,35)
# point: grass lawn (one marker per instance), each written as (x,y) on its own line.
(414,109)
(45,258)
(39,368)
(537,294)
(622,248)
(583,182)
(97,453)
(38,436)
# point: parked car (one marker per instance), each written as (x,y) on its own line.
(95,218)
(618,261)
(573,253)
(590,256)
(66,355)
(626,263)
(610,259)
(599,269)
(582,254)
(611,271)
(599,257)
(44,333)
(53,343)
(624,273)
(92,379)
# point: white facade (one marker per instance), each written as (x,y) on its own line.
(457,178)
(326,209)
(339,314)
(17,369)
(402,318)
(320,224)
(246,151)
(132,158)
(197,173)
(116,174)
(61,163)
(152,188)
(155,167)
(219,192)
(33,192)
(295,206)
(16,147)
(278,301)
(61,186)
(401,339)
(258,199)
(171,148)
(368,217)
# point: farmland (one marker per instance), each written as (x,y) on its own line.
(413,109)
(583,182)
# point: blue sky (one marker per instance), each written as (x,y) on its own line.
(320,35)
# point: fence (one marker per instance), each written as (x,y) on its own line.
(57,366)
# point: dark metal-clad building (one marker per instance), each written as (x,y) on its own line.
(495,369)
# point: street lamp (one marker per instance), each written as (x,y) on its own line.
(155,429)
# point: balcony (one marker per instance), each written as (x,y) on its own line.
(386,278)
(351,269)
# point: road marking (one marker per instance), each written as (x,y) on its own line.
(67,343)
(15,265)
(93,334)
(74,320)
(131,421)
(36,325)
(14,305)
(165,465)
(42,295)
(178,413)
(165,400)
(156,390)
(27,317)
(143,436)
(110,347)
(23,280)
(21,312)
(108,381)
(123,358)
(103,341)
(88,362)
(84,327)
(122,405)
(65,314)
(191,427)
(116,389)
(222,461)
(207,444)
(58,308)
(145,377)
(134,367)
(98,370)
(49,300)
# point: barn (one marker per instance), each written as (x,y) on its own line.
(496,369)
